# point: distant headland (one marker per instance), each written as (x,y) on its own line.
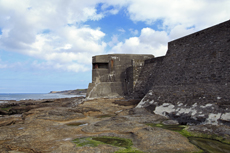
(71,92)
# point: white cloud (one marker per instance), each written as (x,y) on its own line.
(69,45)
(134,32)
(201,13)
(73,67)
(179,31)
(14,65)
(66,41)
(121,30)
(178,18)
(149,42)
(150,36)
(105,8)
(171,14)
(2,66)
(113,41)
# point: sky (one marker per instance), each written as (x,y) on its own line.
(47,45)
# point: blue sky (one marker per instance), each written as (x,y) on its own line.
(48,45)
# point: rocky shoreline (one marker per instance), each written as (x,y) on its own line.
(91,126)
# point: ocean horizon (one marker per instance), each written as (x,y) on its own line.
(32,96)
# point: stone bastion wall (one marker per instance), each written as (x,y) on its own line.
(192,82)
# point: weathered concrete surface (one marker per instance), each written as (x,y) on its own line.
(105,90)
(118,73)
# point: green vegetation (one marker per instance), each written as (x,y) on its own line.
(208,143)
(95,141)
(177,128)
(188,134)
(6,109)
(104,116)
(81,89)
(125,144)
(182,129)
(130,150)
(86,142)
(76,123)
(115,141)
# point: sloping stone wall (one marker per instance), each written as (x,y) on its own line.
(195,71)
(146,77)
(202,57)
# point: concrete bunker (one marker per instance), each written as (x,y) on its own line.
(115,75)
(100,65)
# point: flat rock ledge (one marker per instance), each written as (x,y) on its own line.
(52,125)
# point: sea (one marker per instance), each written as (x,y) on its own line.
(34,96)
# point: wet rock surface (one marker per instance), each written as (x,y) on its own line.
(221,131)
(52,125)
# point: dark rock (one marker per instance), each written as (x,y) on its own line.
(141,111)
(221,131)
(129,102)
(170,122)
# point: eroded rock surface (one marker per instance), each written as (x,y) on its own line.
(50,126)
(190,112)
